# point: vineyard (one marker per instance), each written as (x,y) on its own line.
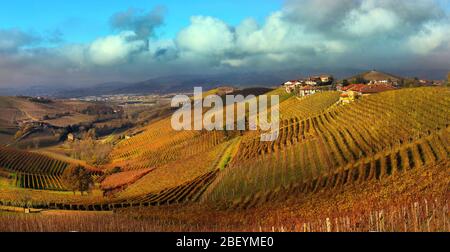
(296,109)
(176,182)
(186,192)
(427,151)
(364,135)
(26,162)
(39,182)
(161,146)
(121,180)
(33,170)
(178,172)
(323,148)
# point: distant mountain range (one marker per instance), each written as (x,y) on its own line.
(162,85)
(178,83)
(185,83)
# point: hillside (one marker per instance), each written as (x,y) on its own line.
(19,111)
(322,149)
(374,75)
(358,135)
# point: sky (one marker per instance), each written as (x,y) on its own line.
(80,43)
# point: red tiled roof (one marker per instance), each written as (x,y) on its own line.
(368,89)
(354,87)
(376,88)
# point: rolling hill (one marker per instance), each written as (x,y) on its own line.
(374,75)
(323,148)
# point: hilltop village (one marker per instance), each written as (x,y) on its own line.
(352,88)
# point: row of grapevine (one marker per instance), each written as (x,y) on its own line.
(300,108)
(27,162)
(274,178)
(156,135)
(187,192)
(39,182)
(155,157)
(339,137)
(178,172)
(159,137)
(364,127)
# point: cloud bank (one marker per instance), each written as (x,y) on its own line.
(305,35)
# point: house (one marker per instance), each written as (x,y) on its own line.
(375,88)
(70,137)
(353,87)
(326,79)
(308,90)
(352,92)
(313,81)
(290,85)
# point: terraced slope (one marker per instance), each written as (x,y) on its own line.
(22,161)
(177,172)
(33,170)
(296,108)
(159,145)
(345,137)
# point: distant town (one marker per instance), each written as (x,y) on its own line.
(128,99)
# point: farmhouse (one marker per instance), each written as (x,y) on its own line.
(290,85)
(308,90)
(354,91)
(303,86)
(70,137)
(313,81)
(326,79)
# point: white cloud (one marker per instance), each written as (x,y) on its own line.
(273,37)
(206,36)
(114,49)
(304,34)
(372,21)
(432,37)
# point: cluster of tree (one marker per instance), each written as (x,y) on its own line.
(359,80)
(98,109)
(77,178)
(55,116)
(109,128)
(109,172)
(40,100)
(414,82)
(91,151)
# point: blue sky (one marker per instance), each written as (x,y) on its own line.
(87,42)
(84,20)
